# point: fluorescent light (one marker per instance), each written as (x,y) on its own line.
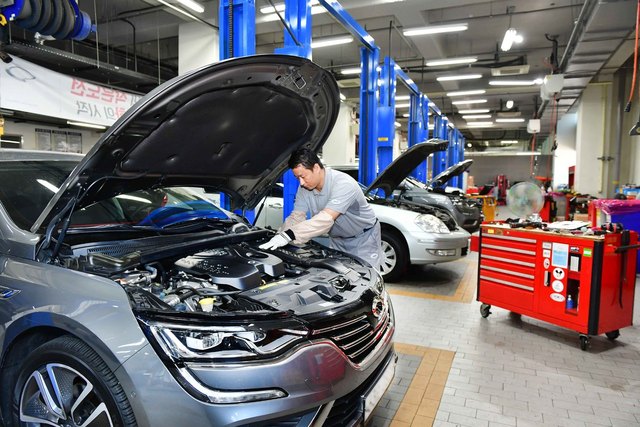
(451,61)
(511,82)
(403,97)
(405,115)
(509,142)
(508,39)
(342,97)
(177,9)
(479,124)
(347,71)
(518,120)
(407,105)
(193,5)
(435,29)
(458,77)
(431,126)
(476,116)
(509,104)
(397,124)
(331,41)
(467,92)
(470,101)
(476,111)
(85,125)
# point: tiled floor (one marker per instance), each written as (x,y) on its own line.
(506,370)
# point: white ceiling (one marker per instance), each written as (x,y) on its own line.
(606,30)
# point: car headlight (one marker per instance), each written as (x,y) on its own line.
(223,343)
(431,224)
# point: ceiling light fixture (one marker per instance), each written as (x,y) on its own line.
(435,29)
(193,5)
(476,116)
(348,71)
(330,41)
(479,124)
(85,125)
(519,120)
(342,97)
(177,9)
(458,77)
(469,101)
(476,111)
(509,104)
(509,142)
(508,39)
(403,97)
(403,105)
(405,115)
(397,124)
(512,82)
(467,92)
(451,61)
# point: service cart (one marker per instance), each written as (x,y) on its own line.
(575,280)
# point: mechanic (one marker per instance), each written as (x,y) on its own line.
(337,205)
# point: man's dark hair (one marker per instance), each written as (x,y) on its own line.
(305,157)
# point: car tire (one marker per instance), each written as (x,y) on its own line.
(395,258)
(62,378)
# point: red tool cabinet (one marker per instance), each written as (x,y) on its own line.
(534,273)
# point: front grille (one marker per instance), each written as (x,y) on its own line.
(349,409)
(358,335)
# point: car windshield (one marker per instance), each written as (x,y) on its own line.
(27,186)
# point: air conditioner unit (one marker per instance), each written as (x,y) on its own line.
(533,126)
(512,70)
(551,85)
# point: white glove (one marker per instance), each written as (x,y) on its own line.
(277,241)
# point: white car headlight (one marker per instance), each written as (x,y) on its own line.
(431,224)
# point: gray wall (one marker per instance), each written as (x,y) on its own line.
(516,168)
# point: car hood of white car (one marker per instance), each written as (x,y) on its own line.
(228,127)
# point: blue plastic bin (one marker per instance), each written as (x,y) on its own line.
(630,221)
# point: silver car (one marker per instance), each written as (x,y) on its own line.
(128,300)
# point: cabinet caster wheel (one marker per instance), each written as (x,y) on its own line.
(485,310)
(584,342)
(613,335)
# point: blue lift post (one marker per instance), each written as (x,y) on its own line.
(386,113)
(440,131)
(297,41)
(237,36)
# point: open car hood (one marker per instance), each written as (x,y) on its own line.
(455,170)
(400,168)
(228,127)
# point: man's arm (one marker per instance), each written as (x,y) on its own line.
(315,226)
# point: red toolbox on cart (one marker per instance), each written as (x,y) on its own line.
(581,282)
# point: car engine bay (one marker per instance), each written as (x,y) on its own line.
(218,272)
